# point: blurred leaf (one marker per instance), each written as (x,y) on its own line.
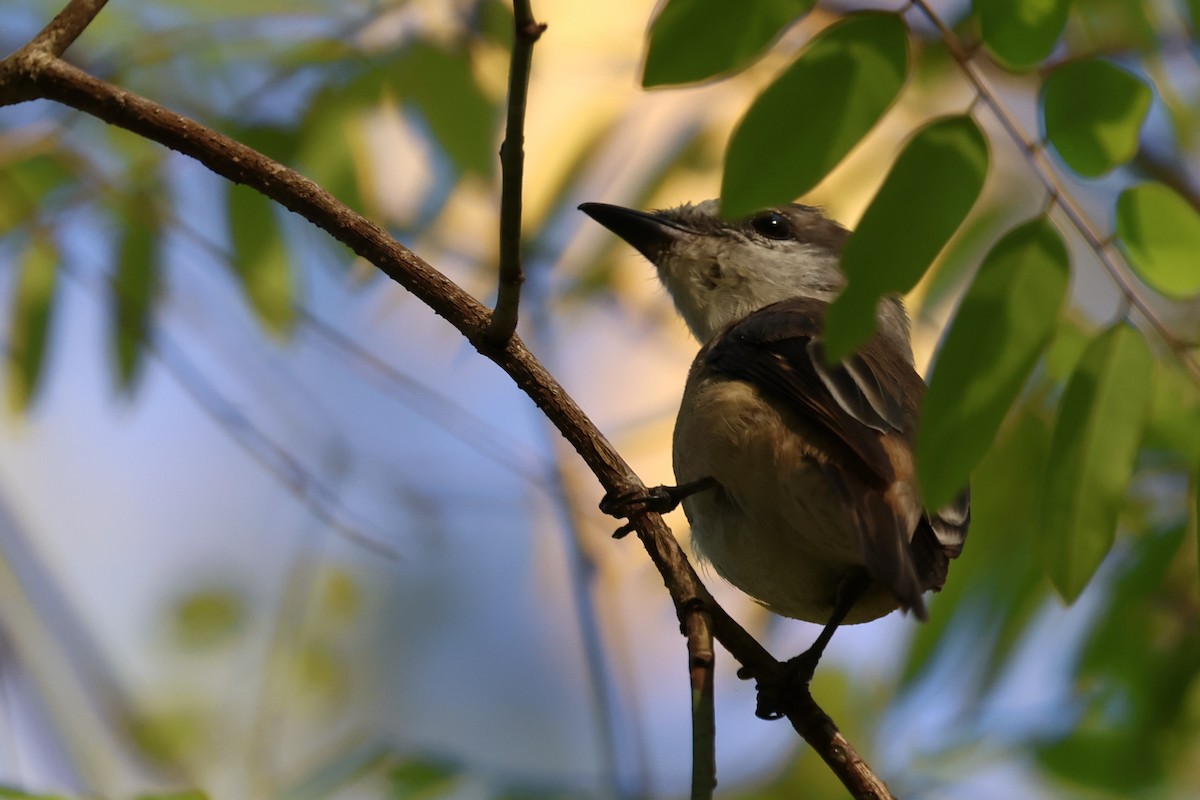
(440,84)
(1021,33)
(416,779)
(1193,7)
(850,74)
(274,141)
(923,200)
(1174,423)
(805,775)
(1093,113)
(1160,231)
(1142,609)
(135,288)
(1108,26)
(1099,426)
(959,260)
(1065,350)
(995,586)
(340,594)
(692,40)
(168,738)
(321,674)
(218,9)
(24,185)
(493,22)
(30,322)
(1141,658)
(1004,322)
(260,258)
(20,795)
(207,618)
(189,794)
(329,144)
(1108,759)
(338,772)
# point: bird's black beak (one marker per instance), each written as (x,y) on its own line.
(649,233)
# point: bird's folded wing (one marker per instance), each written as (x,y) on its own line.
(863,414)
(852,405)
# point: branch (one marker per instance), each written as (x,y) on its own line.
(1036,157)
(512,167)
(823,736)
(697,626)
(65,28)
(35,72)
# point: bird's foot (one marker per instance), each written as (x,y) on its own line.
(783,687)
(658,499)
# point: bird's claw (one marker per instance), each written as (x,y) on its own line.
(659,499)
(781,688)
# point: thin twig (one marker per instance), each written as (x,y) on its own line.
(512,167)
(34,73)
(697,626)
(1036,157)
(65,28)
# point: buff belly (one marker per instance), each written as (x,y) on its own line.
(775,527)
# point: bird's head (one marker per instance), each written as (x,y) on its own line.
(717,270)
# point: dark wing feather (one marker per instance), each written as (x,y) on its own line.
(779,350)
(855,411)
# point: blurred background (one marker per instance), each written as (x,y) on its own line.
(270,528)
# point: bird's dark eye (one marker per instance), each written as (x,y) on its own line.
(772,225)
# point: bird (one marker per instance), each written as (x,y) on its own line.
(797,475)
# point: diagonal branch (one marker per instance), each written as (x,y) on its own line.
(35,72)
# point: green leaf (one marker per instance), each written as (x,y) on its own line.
(17,794)
(1160,231)
(811,116)
(1005,321)
(692,40)
(416,778)
(1096,436)
(1093,112)
(24,184)
(172,736)
(134,290)
(923,201)
(223,9)
(260,258)
(996,587)
(1174,424)
(440,84)
(1116,26)
(343,768)
(1065,350)
(331,148)
(32,315)
(207,618)
(1021,33)
(1140,657)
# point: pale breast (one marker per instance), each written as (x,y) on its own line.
(775,529)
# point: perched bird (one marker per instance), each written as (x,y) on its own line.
(797,475)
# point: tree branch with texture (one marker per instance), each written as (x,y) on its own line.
(36,71)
